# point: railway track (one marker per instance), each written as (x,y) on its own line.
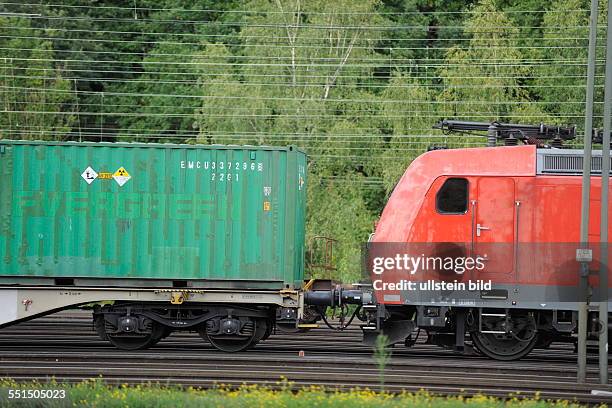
(65,346)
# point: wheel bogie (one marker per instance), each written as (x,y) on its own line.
(229,328)
(130,332)
(232,335)
(501,334)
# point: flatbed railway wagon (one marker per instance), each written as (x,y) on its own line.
(155,237)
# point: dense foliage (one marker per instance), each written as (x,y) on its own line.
(356,83)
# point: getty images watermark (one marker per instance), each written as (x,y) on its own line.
(405,264)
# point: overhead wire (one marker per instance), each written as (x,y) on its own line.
(229,11)
(280,25)
(308,37)
(247,69)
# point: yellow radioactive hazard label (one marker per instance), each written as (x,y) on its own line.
(121,176)
(121,172)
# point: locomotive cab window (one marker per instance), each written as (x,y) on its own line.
(452,198)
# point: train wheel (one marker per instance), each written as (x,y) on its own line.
(137,342)
(544,340)
(99,326)
(263,329)
(269,328)
(236,340)
(230,344)
(131,341)
(514,345)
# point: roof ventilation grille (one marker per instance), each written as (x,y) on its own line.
(566,162)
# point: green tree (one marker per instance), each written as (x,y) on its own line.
(337,209)
(36,99)
(160,104)
(422,30)
(410,111)
(160,99)
(298,65)
(483,81)
(560,80)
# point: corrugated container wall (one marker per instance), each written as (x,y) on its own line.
(111,210)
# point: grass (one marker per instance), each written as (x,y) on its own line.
(95,393)
(382,356)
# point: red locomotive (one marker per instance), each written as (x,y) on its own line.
(514,210)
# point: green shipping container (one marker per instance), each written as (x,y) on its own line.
(158,214)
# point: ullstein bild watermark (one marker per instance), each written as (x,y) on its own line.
(404,263)
(431,285)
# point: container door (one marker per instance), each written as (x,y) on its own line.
(493,228)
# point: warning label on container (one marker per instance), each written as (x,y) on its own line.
(89,175)
(105,176)
(121,176)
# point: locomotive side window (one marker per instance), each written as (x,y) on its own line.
(452,198)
